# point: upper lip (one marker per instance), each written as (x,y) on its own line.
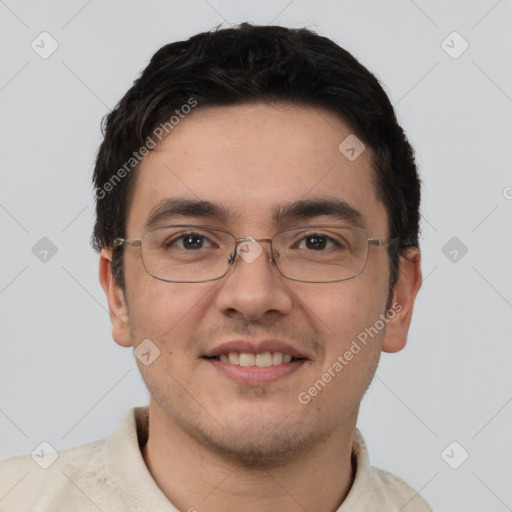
(255,347)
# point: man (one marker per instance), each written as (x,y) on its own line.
(257,222)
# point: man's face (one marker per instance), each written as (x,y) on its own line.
(252,159)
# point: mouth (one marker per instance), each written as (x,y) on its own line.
(260,360)
(255,369)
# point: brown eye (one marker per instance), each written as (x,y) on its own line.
(187,241)
(317,242)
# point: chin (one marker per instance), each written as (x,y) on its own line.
(264,449)
(261,440)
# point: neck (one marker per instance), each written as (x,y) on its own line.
(195,479)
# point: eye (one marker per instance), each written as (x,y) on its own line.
(188,241)
(317,242)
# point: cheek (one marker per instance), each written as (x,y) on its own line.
(346,316)
(342,310)
(168,314)
(162,311)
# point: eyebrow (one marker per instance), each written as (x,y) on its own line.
(304,209)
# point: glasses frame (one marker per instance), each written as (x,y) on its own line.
(122,242)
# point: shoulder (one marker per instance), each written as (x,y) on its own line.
(393,491)
(376,489)
(83,478)
(38,480)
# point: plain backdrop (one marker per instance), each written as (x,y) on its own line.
(447,69)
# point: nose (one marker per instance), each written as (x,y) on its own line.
(253,288)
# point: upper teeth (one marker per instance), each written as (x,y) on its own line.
(248,359)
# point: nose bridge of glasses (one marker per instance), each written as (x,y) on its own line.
(251,239)
(249,249)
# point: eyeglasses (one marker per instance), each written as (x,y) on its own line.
(188,253)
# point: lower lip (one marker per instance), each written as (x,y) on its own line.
(256,375)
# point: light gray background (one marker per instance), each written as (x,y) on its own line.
(63,379)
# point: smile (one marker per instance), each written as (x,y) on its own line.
(253,369)
(249,359)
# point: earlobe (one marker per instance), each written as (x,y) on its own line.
(404,295)
(116,301)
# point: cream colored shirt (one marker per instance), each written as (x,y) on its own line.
(111,476)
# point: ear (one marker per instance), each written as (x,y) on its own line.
(116,301)
(404,295)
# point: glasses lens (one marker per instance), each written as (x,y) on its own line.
(187,253)
(321,253)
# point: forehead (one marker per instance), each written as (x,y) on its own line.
(252,160)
